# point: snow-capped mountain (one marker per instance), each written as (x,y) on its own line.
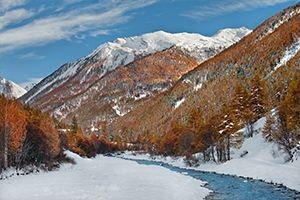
(125,69)
(11,89)
(122,51)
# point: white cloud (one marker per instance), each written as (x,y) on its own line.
(15,16)
(30,82)
(100,32)
(67,25)
(31,56)
(228,6)
(8,4)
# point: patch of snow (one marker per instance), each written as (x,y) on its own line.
(178,103)
(118,112)
(94,129)
(143,95)
(197,87)
(289,54)
(104,178)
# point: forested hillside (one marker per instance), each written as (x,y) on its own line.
(257,70)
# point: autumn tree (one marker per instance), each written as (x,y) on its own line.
(229,133)
(238,103)
(104,131)
(170,144)
(155,144)
(276,130)
(47,125)
(12,129)
(195,120)
(282,125)
(258,97)
(35,146)
(292,105)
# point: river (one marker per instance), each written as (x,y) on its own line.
(232,187)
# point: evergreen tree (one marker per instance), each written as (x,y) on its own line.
(74,126)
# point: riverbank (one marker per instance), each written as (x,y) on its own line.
(263,162)
(103,178)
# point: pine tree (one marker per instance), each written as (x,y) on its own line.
(74,126)
(258,97)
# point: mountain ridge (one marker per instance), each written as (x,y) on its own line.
(124,50)
(75,79)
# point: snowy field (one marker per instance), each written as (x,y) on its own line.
(263,161)
(103,178)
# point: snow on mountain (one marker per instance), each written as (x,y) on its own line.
(230,35)
(11,89)
(30,86)
(288,54)
(122,51)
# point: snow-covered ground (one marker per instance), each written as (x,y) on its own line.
(103,178)
(263,161)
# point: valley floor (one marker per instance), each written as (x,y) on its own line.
(263,161)
(103,178)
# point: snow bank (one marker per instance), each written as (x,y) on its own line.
(263,161)
(103,178)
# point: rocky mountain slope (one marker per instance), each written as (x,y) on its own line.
(11,89)
(272,50)
(119,76)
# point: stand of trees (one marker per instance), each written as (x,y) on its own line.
(283,123)
(27,136)
(212,139)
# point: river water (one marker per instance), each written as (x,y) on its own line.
(233,187)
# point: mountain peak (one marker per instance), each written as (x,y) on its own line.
(237,33)
(109,58)
(11,89)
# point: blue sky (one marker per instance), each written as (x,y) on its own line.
(38,36)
